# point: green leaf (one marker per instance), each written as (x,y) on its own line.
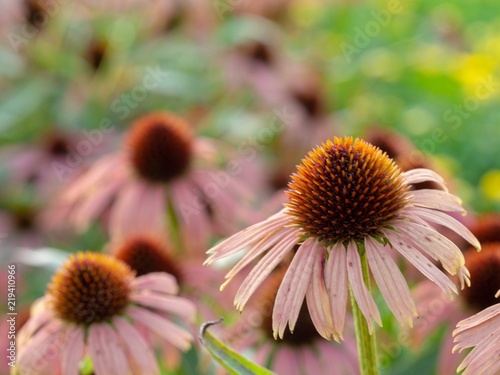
(228,358)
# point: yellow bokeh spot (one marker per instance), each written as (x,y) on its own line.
(473,69)
(490,185)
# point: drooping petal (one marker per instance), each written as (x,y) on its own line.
(418,175)
(140,208)
(160,282)
(472,330)
(361,293)
(106,352)
(391,282)
(437,199)
(38,320)
(259,248)
(445,220)
(247,237)
(400,243)
(337,286)
(96,203)
(171,304)
(105,169)
(317,300)
(162,327)
(436,245)
(292,290)
(137,347)
(262,269)
(192,212)
(41,354)
(72,352)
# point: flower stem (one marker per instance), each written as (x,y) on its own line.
(367,347)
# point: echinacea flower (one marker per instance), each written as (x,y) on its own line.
(299,353)
(481,331)
(94,307)
(349,200)
(435,311)
(146,254)
(163,170)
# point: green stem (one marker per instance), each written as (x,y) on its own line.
(367,346)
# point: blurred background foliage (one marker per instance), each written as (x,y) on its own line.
(428,70)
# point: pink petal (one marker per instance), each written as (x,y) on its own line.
(140,208)
(91,207)
(41,355)
(400,243)
(361,293)
(437,199)
(176,336)
(106,351)
(433,243)
(248,236)
(160,282)
(192,214)
(72,352)
(318,303)
(260,247)
(262,269)
(35,323)
(391,282)
(171,304)
(445,220)
(104,170)
(418,175)
(447,362)
(137,347)
(292,290)
(337,285)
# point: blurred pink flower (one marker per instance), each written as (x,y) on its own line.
(146,254)
(163,173)
(95,306)
(299,353)
(348,197)
(48,162)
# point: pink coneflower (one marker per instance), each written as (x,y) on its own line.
(348,202)
(481,331)
(164,171)
(484,270)
(95,307)
(47,162)
(146,254)
(299,353)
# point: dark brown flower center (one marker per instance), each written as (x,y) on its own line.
(90,288)
(145,255)
(487,228)
(345,190)
(57,145)
(96,52)
(484,268)
(310,100)
(160,146)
